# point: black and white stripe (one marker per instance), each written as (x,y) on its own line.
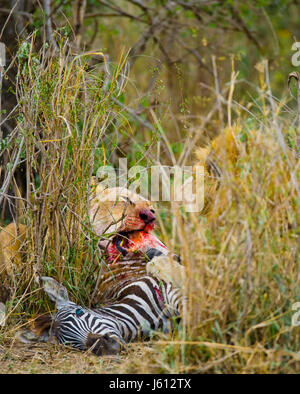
(141,306)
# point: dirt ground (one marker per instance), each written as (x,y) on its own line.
(50,358)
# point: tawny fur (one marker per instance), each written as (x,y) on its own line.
(167,269)
(12,238)
(116,209)
(220,154)
(111,211)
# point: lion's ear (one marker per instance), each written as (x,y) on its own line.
(202,155)
(93,187)
(96,188)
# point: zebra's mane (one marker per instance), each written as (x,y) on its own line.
(117,275)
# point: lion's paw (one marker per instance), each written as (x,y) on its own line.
(167,269)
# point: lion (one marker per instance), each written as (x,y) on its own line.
(124,222)
(124,215)
(241,159)
(222,152)
(12,238)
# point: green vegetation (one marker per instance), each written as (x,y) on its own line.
(87,97)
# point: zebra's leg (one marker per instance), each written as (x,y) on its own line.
(39,331)
(167,269)
(29,336)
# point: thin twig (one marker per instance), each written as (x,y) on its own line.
(49,30)
(12,171)
(217,87)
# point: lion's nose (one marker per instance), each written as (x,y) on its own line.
(147,216)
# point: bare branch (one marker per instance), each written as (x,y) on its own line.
(49,31)
(196,54)
(238,19)
(79,11)
(23,13)
(119,10)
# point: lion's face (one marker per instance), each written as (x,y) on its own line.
(118,209)
(126,219)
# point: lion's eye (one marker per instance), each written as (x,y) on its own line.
(128,200)
(152,210)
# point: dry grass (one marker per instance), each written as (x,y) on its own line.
(242,258)
(49,358)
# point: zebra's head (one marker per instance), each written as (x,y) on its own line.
(82,327)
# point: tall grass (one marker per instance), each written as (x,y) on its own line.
(242,257)
(64,110)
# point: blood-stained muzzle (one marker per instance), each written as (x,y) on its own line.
(147,216)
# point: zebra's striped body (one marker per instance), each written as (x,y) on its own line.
(140,306)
